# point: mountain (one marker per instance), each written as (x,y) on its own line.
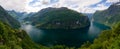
(12,38)
(15,14)
(89,15)
(6,18)
(19,15)
(109,16)
(59,18)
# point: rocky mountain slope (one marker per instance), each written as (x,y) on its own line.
(109,16)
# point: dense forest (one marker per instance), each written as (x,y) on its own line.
(59,18)
(15,39)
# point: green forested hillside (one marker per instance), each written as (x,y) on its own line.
(15,39)
(6,18)
(108,39)
(59,18)
(109,16)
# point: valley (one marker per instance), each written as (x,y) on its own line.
(60,28)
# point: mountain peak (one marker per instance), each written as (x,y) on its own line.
(114,8)
(59,18)
(109,16)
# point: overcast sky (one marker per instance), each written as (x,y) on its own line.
(84,6)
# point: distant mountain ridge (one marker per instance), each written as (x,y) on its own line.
(20,15)
(89,15)
(6,18)
(109,16)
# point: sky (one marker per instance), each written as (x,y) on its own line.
(83,6)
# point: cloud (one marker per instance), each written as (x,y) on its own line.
(84,6)
(113,1)
(101,6)
(78,5)
(18,5)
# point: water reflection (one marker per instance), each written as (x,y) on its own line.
(34,33)
(64,37)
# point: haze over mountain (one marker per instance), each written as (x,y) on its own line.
(20,15)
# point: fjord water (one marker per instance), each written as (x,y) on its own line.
(72,38)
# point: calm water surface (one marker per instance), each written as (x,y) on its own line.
(64,37)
